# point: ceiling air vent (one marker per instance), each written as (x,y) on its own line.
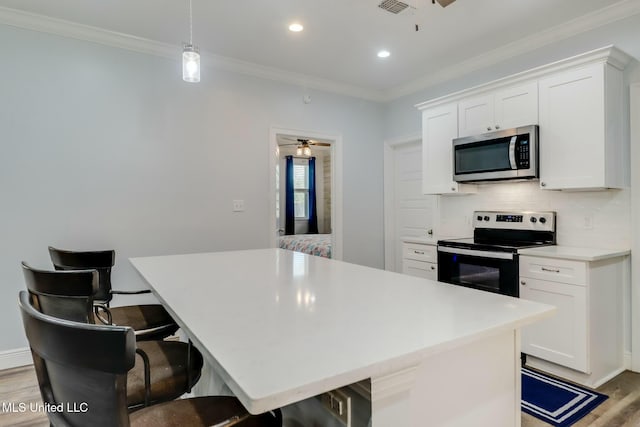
(393,6)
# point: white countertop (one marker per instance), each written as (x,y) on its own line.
(281,326)
(420,240)
(574,253)
(427,240)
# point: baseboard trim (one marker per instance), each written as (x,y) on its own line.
(14,358)
(627,360)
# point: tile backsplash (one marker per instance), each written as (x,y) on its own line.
(595,219)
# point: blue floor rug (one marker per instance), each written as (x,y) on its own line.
(556,402)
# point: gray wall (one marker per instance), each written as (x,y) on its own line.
(107,148)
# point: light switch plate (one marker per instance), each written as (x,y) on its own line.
(238,205)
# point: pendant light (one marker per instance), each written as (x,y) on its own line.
(190,55)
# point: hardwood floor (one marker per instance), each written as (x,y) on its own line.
(19,385)
(622,409)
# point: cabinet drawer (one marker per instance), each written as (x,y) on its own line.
(420,252)
(555,270)
(427,270)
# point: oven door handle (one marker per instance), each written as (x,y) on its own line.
(479,254)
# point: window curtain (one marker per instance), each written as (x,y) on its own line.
(313,212)
(289,212)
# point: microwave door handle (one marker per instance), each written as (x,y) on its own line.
(512,152)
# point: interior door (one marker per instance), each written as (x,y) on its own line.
(413,211)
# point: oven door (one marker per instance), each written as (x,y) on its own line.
(488,271)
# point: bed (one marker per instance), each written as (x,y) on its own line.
(312,244)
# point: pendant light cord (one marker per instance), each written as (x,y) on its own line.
(190,23)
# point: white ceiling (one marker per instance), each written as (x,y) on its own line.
(341,37)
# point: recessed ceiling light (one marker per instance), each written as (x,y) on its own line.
(296,28)
(383,54)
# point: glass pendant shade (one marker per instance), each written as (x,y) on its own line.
(190,64)
(299,151)
(306,151)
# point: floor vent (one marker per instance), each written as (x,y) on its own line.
(393,6)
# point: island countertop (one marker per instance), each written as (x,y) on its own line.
(281,326)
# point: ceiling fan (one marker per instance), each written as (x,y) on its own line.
(443,3)
(304,145)
(398,6)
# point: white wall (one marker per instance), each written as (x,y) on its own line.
(107,148)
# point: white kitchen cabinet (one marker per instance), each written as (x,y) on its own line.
(577,103)
(439,128)
(583,342)
(561,339)
(420,260)
(503,108)
(581,144)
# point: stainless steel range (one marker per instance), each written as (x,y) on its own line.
(489,260)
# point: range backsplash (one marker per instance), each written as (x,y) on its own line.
(585,218)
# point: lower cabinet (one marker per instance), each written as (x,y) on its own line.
(583,341)
(420,260)
(561,339)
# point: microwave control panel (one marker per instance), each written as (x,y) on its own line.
(522,151)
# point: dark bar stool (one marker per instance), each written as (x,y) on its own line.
(163,370)
(149,321)
(82,369)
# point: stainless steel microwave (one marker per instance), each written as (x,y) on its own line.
(500,155)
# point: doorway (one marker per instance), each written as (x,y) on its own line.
(324,237)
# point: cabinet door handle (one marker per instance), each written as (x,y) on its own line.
(418,252)
(488,127)
(550,270)
(523,283)
(432,268)
(430,232)
(453,188)
(543,184)
(497,127)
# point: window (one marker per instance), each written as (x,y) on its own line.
(301,191)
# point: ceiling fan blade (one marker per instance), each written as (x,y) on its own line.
(288,138)
(445,3)
(320,144)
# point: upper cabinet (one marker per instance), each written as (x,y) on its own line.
(506,108)
(439,128)
(577,103)
(581,143)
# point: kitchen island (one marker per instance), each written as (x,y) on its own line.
(280,326)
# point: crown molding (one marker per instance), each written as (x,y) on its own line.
(590,21)
(608,54)
(59,27)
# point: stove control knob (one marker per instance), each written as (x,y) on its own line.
(486,218)
(479,218)
(533,219)
(542,220)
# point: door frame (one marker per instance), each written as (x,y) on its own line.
(634,137)
(336,183)
(390,261)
